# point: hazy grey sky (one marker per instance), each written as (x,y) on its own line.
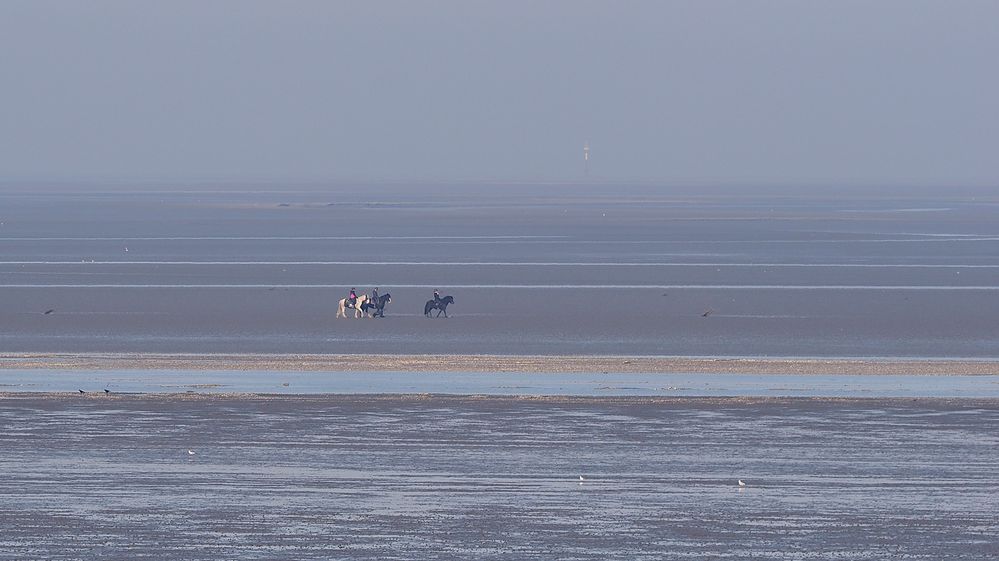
(860,92)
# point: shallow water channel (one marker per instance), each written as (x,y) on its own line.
(478,383)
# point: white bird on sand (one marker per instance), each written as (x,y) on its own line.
(190,452)
(742,483)
(581,479)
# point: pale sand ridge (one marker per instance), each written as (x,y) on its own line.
(495,363)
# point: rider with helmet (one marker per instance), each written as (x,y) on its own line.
(353,297)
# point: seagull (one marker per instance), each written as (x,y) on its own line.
(581,479)
(47,312)
(190,452)
(742,483)
(707,313)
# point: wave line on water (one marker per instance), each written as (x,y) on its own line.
(517,264)
(265,238)
(532,286)
(501,240)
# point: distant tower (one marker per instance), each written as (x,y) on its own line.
(586,158)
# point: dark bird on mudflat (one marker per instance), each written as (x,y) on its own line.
(47,312)
(81,391)
(706,314)
(107,390)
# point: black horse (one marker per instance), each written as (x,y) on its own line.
(440,305)
(377,305)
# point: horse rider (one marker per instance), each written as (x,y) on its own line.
(437,297)
(374,296)
(353,297)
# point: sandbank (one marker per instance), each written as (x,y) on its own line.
(496,363)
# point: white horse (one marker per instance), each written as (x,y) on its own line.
(358,312)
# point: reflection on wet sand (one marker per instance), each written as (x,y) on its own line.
(422,477)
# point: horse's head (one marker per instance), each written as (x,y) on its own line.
(448,299)
(387,298)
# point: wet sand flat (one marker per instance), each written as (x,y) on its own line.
(242,281)
(430,477)
(535,270)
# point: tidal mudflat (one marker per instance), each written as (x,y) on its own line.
(165,288)
(431,477)
(572,269)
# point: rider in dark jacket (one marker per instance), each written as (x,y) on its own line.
(374,296)
(437,297)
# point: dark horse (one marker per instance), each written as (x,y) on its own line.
(378,305)
(440,305)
